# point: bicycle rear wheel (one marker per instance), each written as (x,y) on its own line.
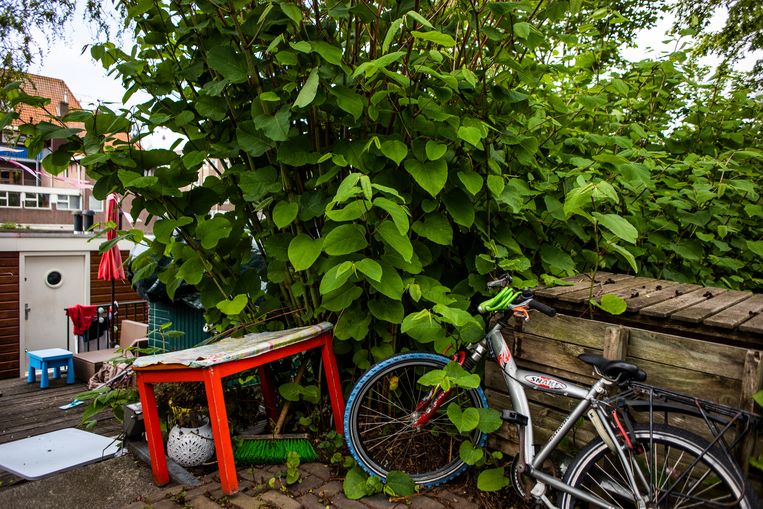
(670,469)
(381,410)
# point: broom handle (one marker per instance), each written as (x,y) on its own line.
(285,409)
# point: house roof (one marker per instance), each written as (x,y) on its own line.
(44,86)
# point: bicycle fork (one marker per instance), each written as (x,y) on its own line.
(435,398)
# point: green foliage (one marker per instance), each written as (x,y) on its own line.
(386,161)
(492,479)
(357,484)
(757,462)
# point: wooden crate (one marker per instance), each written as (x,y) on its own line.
(723,373)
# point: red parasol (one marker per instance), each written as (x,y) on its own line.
(110,267)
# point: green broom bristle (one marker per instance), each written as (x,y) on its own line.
(274,451)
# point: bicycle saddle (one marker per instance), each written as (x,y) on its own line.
(619,370)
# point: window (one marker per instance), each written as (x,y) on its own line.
(95,204)
(10,199)
(10,176)
(36,201)
(68,202)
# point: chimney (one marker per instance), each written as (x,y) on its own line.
(63,106)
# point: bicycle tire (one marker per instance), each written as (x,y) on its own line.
(711,482)
(380,447)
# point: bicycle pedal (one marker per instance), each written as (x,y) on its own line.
(514,417)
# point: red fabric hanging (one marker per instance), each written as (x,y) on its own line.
(81,317)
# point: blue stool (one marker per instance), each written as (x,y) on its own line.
(50,358)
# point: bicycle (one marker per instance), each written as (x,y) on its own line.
(393,422)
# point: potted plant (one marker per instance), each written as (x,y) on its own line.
(190,440)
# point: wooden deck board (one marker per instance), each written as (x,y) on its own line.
(717,303)
(754,324)
(735,315)
(26,410)
(658,293)
(609,286)
(668,307)
(580,282)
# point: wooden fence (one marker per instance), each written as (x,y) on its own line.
(721,373)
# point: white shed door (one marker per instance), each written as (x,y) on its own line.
(50,284)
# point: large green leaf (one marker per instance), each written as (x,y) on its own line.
(275,127)
(345,239)
(391,235)
(395,150)
(398,214)
(370,268)
(226,61)
(308,90)
(331,53)
(471,180)
(431,176)
(213,230)
(284,213)
(618,225)
(435,150)
(348,101)
(436,228)
(492,479)
(460,207)
(336,277)
(233,306)
(303,251)
(435,37)
(388,310)
(391,284)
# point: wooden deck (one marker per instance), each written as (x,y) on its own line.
(26,410)
(715,314)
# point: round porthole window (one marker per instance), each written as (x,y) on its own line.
(54,279)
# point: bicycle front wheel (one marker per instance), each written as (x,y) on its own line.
(671,470)
(381,411)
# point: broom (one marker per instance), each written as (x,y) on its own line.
(275,448)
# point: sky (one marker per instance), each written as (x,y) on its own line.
(87,79)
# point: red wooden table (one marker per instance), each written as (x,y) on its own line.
(210,364)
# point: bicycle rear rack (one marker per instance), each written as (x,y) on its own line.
(718,418)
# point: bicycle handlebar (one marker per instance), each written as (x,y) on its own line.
(543,308)
(506,297)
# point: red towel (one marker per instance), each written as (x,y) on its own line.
(81,317)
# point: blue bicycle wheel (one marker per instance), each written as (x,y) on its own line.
(381,411)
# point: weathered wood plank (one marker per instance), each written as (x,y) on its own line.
(668,307)
(676,351)
(754,324)
(698,312)
(616,343)
(553,353)
(588,333)
(604,288)
(660,293)
(719,389)
(733,316)
(581,282)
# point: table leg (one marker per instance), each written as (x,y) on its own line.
(30,375)
(57,372)
(268,394)
(219,419)
(70,371)
(44,375)
(153,432)
(334,384)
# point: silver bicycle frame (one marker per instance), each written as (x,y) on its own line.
(517,380)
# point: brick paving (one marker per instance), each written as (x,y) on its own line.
(261,488)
